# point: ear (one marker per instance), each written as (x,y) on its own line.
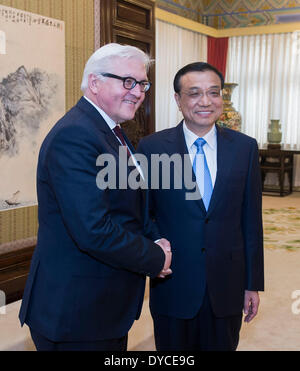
(177,98)
(93,83)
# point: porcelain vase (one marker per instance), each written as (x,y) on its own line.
(230,118)
(274,133)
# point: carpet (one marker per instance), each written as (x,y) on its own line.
(282,228)
(277,325)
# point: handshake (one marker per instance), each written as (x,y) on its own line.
(165,245)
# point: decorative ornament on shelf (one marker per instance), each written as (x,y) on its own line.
(230,118)
(274,134)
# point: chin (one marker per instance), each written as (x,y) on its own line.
(127,118)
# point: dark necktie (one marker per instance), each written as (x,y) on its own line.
(117,130)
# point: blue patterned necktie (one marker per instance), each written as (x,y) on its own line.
(202,173)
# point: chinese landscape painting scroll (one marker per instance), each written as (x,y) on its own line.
(32,98)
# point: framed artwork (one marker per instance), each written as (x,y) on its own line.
(32,99)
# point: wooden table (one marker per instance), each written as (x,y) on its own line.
(281,162)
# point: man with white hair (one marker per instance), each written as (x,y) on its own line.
(87,277)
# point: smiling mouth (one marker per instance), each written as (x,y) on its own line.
(130,102)
(204,112)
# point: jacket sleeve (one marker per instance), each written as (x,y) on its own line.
(150,226)
(252,224)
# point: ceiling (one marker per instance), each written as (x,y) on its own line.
(235,13)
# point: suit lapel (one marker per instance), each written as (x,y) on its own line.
(177,144)
(224,163)
(99,123)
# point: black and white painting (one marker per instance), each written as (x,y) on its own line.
(32,98)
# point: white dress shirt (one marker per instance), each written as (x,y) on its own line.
(209,148)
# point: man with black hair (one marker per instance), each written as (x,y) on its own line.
(217,240)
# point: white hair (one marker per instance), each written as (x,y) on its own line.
(101,60)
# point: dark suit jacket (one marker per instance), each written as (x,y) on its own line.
(221,249)
(87,274)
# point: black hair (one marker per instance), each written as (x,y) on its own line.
(195,67)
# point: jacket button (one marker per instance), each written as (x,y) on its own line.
(206,220)
(203,250)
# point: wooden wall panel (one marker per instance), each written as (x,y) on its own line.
(132,14)
(132,22)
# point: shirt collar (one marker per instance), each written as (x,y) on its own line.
(106,118)
(210,137)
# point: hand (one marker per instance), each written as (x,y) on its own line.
(165,245)
(251,303)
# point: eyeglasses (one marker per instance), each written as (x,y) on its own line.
(130,82)
(197,93)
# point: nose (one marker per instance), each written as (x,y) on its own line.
(136,91)
(205,100)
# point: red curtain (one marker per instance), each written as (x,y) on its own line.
(217,52)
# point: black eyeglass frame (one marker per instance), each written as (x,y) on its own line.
(147,84)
